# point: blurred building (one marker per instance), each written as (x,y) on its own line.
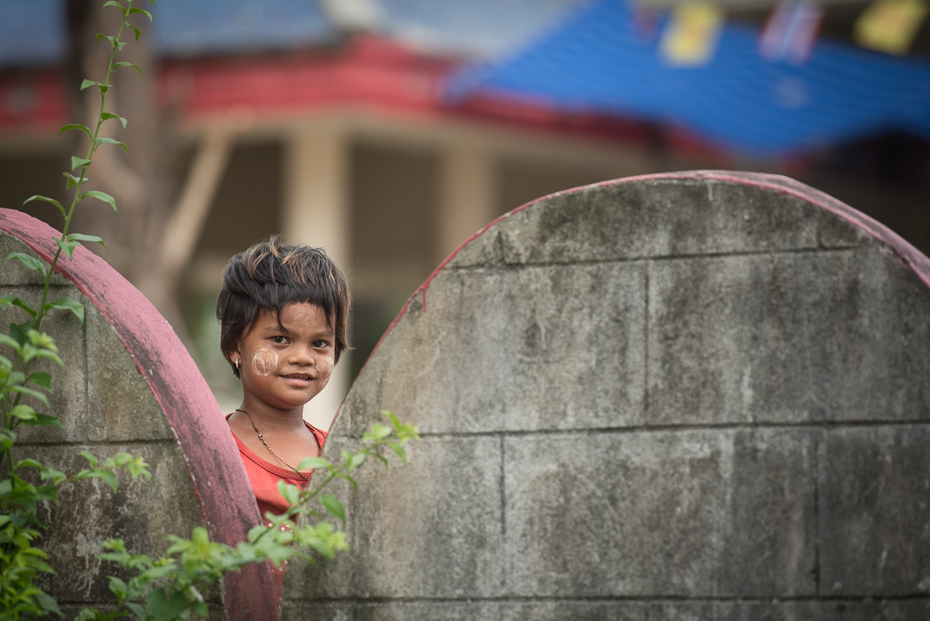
(329,121)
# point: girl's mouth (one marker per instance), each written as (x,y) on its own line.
(298,378)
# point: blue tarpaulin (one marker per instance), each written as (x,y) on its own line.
(600,61)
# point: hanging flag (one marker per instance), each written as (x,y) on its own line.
(890,25)
(645,22)
(790,32)
(690,38)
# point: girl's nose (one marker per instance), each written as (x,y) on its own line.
(302,355)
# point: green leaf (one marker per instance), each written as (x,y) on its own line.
(107,477)
(46,199)
(118,587)
(84,85)
(73,181)
(28,261)
(333,505)
(47,602)
(392,417)
(349,479)
(397,448)
(86,238)
(127,64)
(143,11)
(103,196)
(20,332)
(291,493)
(164,608)
(106,116)
(18,302)
(43,353)
(116,4)
(382,459)
(376,433)
(79,161)
(69,304)
(57,476)
(32,393)
(78,126)
(312,463)
(355,461)
(27,463)
(47,492)
(89,457)
(88,614)
(23,412)
(45,420)
(100,141)
(136,30)
(67,246)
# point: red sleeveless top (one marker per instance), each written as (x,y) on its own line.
(264,476)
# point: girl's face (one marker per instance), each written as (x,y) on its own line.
(282,366)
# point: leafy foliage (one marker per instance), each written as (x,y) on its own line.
(173,586)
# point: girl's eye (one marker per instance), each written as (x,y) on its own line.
(280,340)
(321,344)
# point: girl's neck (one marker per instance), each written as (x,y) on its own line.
(269,419)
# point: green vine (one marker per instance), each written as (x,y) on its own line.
(21,562)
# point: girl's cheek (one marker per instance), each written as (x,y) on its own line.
(325,370)
(264,362)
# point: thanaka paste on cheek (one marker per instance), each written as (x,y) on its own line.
(264,362)
(324,371)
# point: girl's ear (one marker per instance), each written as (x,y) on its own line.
(233,357)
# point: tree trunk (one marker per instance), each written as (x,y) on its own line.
(140,181)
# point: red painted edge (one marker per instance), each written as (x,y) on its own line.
(210,454)
(906,253)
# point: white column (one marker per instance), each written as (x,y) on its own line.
(468,196)
(316,212)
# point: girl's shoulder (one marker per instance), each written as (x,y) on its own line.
(319,434)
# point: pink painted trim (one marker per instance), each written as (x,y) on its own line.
(906,253)
(210,453)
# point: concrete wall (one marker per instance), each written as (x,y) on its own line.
(129,385)
(689,396)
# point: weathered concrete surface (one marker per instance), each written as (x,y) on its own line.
(128,385)
(614,610)
(681,397)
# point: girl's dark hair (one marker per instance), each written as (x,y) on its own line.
(269,276)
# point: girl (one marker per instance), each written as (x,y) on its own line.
(282,312)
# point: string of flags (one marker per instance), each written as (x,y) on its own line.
(691,33)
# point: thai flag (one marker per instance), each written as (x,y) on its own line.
(790,32)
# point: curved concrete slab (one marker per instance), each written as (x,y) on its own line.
(131,385)
(690,395)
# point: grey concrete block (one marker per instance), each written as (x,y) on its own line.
(120,404)
(391,611)
(648,219)
(143,513)
(874,508)
(551,347)
(610,610)
(415,534)
(68,399)
(787,338)
(691,513)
